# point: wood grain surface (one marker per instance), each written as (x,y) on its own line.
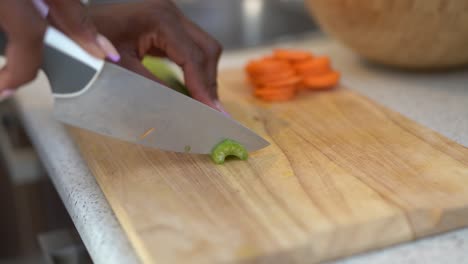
(343,175)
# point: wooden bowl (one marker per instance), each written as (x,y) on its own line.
(416,34)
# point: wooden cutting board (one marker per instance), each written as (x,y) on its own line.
(343,175)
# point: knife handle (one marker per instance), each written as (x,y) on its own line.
(69,68)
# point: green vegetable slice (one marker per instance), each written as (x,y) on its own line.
(160,68)
(228,148)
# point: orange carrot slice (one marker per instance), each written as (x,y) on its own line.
(294,80)
(318,65)
(263,78)
(279,76)
(325,81)
(267,66)
(315,72)
(287,90)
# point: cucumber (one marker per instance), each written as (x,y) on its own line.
(160,68)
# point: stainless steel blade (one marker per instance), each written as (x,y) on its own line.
(127,106)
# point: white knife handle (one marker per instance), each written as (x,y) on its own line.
(69,68)
(59,41)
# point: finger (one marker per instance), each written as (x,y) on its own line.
(212,50)
(156,53)
(131,62)
(182,50)
(71,17)
(24,28)
(23,61)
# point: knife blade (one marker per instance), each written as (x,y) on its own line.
(107,99)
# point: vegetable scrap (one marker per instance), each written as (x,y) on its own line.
(279,76)
(187,148)
(149,131)
(161,69)
(228,148)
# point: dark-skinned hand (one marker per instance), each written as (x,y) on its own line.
(157,27)
(24,26)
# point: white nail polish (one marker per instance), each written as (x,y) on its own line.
(5,94)
(109,49)
(41,7)
(221,108)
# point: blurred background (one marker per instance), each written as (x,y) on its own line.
(34,225)
(241,24)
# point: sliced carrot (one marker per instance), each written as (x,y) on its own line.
(268,71)
(267,66)
(272,92)
(262,78)
(278,77)
(282,82)
(314,66)
(314,72)
(293,80)
(316,60)
(318,71)
(324,81)
(292,55)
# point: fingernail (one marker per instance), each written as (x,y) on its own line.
(221,108)
(108,48)
(41,7)
(5,94)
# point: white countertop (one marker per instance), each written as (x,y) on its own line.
(438,101)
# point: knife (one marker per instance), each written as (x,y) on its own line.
(107,99)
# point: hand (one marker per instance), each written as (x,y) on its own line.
(157,27)
(25,26)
